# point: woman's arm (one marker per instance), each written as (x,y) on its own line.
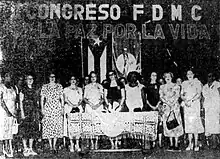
(122,97)
(105,96)
(21,97)
(42,104)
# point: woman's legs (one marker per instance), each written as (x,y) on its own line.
(71,145)
(176,141)
(54,143)
(190,146)
(171,142)
(50,143)
(160,140)
(25,144)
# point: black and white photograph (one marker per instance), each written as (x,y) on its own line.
(110,79)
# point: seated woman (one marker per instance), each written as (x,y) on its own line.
(73,99)
(93,97)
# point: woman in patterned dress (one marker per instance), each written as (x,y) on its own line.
(169,95)
(73,100)
(191,94)
(53,111)
(29,127)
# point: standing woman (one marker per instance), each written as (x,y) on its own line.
(52,110)
(93,95)
(169,95)
(9,99)
(135,98)
(191,94)
(73,104)
(114,92)
(4,115)
(29,127)
(211,94)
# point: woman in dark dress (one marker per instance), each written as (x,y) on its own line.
(114,93)
(29,127)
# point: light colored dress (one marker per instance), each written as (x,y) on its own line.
(133,97)
(3,116)
(212,108)
(74,96)
(94,94)
(171,94)
(53,118)
(193,122)
(9,97)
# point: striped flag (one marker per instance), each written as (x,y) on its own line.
(95,56)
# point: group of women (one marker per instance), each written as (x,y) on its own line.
(113,95)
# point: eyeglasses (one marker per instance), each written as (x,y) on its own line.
(52,76)
(29,78)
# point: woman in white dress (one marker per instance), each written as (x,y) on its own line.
(4,114)
(135,97)
(9,98)
(191,95)
(211,94)
(73,99)
(93,97)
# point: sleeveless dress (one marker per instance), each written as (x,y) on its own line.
(133,97)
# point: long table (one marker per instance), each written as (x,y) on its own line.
(114,124)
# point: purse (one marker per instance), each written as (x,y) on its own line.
(173,123)
(15,126)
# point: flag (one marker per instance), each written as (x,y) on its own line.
(96,56)
(126,55)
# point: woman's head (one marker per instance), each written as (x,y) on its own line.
(93,77)
(52,77)
(86,80)
(190,75)
(133,77)
(29,79)
(179,81)
(153,76)
(111,75)
(168,76)
(73,80)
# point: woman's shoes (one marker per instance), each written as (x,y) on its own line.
(9,155)
(196,148)
(190,147)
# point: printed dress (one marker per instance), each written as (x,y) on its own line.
(212,108)
(171,94)
(29,127)
(53,118)
(193,122)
